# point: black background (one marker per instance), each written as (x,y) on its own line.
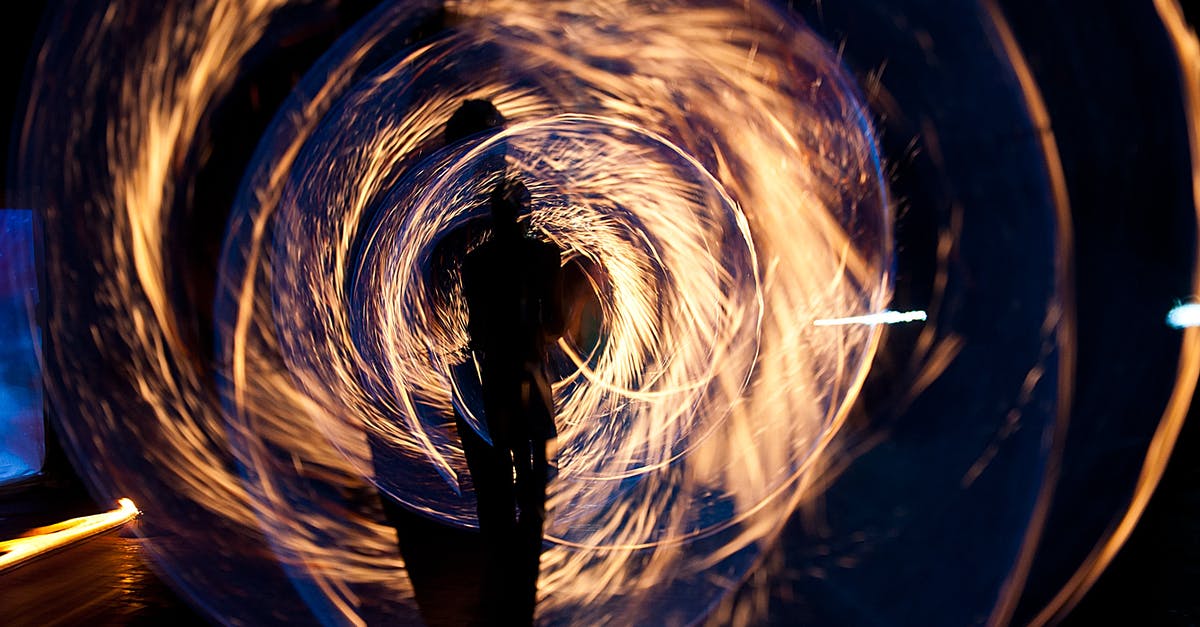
(1155,578)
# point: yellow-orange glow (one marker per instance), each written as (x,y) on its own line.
(731,137)
(1187,47)
(1060,321)
(665,415)
(702,157)
(43,540)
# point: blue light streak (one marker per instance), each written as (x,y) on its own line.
(1183,316)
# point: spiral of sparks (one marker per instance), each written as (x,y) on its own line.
(711,169)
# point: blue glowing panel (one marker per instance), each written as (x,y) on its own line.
(22,428)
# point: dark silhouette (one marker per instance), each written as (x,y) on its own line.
(512,285)
(472,118)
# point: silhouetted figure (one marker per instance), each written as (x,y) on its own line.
(512,285)
(511,282)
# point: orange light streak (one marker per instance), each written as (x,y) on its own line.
(43,540)
(732,137)
(1187,47)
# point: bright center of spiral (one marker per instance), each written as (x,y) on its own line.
(668,258)
(661,252)
(709,208)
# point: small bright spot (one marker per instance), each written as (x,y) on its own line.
(885,317)
(1184,316)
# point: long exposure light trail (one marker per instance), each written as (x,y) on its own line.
(1185,317)
(705,403)
(43,540)
(712,168)
(884,317)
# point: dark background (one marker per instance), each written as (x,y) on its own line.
(1084,75)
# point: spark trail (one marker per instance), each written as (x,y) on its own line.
(712,167)
(884,317)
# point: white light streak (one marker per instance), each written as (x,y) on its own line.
(1183,316)
(884,317)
